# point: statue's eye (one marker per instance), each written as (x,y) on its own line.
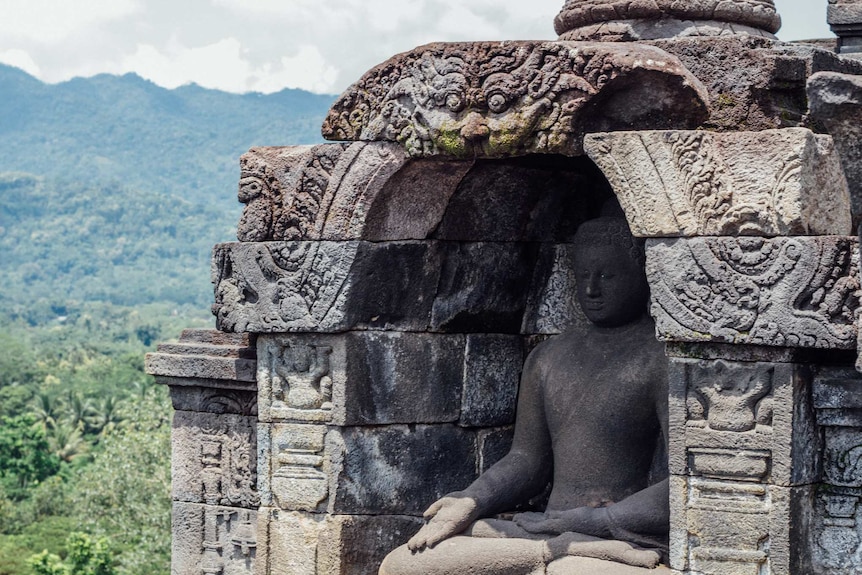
(497,102)
(455,102)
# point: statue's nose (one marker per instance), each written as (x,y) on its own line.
(593,288)
(475,127)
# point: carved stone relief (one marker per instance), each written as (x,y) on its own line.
(294,466)
(214,400)
(500,99)
(320,192)
(211,540)
(215,459)
(328,286)
(577,14)
(730,397)
(299,285)
(678,183)
(796,292)
(295,377)
(837,534)
(742,454)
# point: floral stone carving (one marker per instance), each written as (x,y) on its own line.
(575,14)
(686,183)
(796,292)
(497,99)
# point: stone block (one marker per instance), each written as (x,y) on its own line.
(414,201)
(218,358)
(735,421)
(541,99)
(302,543)
(837,397)
(288,542)
(552,303)
(363,378)
(537,198)
(398,469)
(483,287)
(494,444)
(835,100)
(357,544)
(214,459)
(414,378)
(492,371)
(215,400)
(776,182)
(787,292)
(392,284)
(323,286)
(294,469)
(844,12)
(213,539)
(721,527)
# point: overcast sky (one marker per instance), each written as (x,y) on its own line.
(268,45)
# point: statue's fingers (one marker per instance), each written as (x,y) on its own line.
(418,541)
(433,509)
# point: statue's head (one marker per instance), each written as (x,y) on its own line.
(609,263)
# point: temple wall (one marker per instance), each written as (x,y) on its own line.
(390,286)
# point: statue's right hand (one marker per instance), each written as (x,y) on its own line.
(446,517)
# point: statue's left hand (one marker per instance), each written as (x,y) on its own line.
(446,517)
(588,520)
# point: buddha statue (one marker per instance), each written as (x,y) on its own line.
(591,418)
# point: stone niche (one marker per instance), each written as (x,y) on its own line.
(374,316)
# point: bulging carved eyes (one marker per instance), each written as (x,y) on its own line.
(497,102)
(250,188)
(455,102)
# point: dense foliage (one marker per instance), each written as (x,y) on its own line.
(112,193)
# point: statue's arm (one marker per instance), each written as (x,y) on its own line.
(521,474)
(526,470)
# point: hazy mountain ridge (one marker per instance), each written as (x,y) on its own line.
(184,142)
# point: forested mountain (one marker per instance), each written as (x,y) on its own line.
(112,192)
(184,142)
(114,189)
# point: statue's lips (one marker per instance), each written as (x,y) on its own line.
(594,305)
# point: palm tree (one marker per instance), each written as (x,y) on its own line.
(66,441)
(78,408)
(105,416)
(47,409)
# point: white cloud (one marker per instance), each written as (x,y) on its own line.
(307,70)
(219,65)
(20,59)
(223,65)
(52,21)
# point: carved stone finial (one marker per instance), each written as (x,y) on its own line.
(628,20)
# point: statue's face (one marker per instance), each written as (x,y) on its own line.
(612,287)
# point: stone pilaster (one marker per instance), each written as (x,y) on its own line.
(845,19)
(211,375)
(744,458)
